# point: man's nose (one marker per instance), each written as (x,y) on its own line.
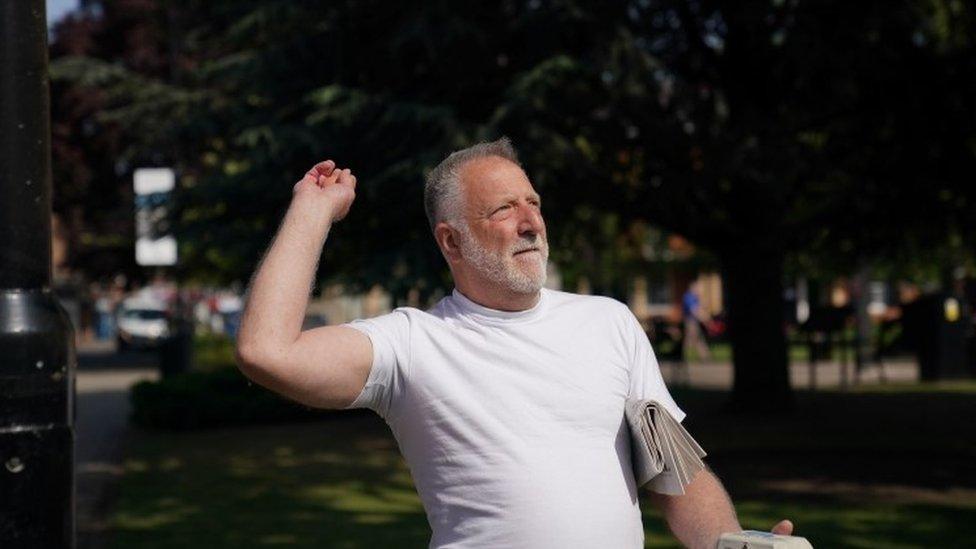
(530,220)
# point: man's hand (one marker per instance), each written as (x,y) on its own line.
(783,528)
(325,186)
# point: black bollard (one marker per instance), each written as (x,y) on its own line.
(37,356)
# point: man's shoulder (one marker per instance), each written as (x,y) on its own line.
(584,301)
(600,316)
(399,316)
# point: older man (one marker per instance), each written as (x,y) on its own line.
(506,398)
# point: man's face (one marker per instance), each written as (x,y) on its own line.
(503,235)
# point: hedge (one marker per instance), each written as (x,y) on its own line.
(218,398)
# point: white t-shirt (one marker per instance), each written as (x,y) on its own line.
(512,423)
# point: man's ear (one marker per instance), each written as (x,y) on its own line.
(447,240)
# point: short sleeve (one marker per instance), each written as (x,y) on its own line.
(390,338)
(646,381)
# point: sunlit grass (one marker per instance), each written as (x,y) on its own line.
(331,484)
(959,386)
(799,353)
(880,468)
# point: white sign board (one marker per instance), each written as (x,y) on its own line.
(161,251)
(153,180)
(155,245)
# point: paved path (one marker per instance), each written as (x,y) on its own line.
(101,423)
(712,375)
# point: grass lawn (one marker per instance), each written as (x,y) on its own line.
(211,352)
(722,352)
(892,467)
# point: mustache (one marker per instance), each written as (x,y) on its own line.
(529,243)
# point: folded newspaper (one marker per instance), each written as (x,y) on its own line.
(665,456)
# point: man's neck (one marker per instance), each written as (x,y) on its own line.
(500,299)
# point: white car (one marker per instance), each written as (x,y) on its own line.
(142,324)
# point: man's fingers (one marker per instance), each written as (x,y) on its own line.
(346,177)
(324,180)
(783,528)
(325,167)
(325,173)
(322,168)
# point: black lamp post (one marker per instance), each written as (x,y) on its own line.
(37,356)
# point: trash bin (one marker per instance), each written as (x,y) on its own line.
(176,352)
(935,328)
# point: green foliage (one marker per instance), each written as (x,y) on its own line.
(722,123)
(144,106)
(776,135)
(212,352)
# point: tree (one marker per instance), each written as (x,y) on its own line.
(756,129)
(92,185)
(762,129)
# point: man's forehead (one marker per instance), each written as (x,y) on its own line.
(492,177)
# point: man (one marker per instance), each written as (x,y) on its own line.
(694,317)
(506,398)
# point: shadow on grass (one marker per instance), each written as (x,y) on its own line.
(922,438)
(830,522)
(888,468)
(337,483)
(884,466)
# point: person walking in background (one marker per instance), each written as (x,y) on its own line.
(104,313)
(694,318)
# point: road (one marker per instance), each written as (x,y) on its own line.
(101,424)
(718,375)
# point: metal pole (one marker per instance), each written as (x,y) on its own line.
(37,356)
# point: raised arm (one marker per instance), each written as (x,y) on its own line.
(325,367)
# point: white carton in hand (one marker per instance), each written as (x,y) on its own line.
(753,539)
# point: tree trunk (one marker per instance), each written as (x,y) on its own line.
(756,328)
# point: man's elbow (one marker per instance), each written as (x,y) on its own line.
(252,358)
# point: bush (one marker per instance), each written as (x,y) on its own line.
(219,398)
(212,352)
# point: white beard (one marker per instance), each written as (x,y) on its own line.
(525,275)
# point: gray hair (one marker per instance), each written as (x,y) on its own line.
(442,191)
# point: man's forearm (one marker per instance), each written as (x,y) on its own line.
(700,516)
(279,292)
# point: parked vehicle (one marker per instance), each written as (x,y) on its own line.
(142,324)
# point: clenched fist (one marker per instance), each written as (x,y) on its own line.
(328,187)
